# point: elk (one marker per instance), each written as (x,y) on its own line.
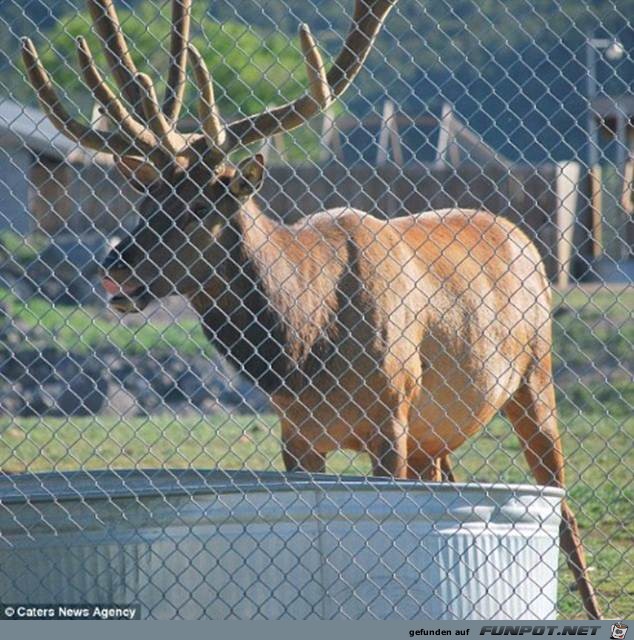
(399,338)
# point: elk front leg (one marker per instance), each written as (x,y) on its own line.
(532,413)
(388,444)
(298,452)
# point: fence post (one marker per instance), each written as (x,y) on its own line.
(567,182)
(330,139)
(389,137)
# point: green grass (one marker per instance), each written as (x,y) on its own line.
(595,407)
(83,329)
(21,250)
(596,330)
(601,490)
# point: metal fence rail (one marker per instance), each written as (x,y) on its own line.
(223,311)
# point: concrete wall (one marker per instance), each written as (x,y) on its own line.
(14,165)
(66,197)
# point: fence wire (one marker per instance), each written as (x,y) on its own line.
(221,318)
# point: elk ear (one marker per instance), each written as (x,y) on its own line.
(248,177)
(139,172)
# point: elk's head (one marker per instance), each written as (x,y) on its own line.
(190,191)
(177,240)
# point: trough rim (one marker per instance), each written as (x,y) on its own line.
(108,484)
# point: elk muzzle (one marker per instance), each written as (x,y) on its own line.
(125,293)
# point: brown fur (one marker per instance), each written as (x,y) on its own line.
(423,327)
(436,318)
(398,338)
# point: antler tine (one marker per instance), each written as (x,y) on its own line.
(369,16)
(114,108)
(108,142)
(160,141)
(156,119)
(315,70)
(177,74)
(124,71)
(207,108)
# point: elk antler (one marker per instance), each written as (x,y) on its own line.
(148,129)
(368,18)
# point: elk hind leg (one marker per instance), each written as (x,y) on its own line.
(446,469)
(532,413)
(421,466)
(298,452)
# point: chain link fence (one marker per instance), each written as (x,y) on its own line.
(217,284)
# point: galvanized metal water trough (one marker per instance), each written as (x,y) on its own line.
(222,545)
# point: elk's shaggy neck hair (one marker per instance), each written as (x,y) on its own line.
(272,306)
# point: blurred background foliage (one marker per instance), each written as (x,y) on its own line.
(251,70)
(514,69)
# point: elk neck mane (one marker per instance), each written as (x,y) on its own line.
(271,306)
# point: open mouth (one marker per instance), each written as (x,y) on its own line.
(126,298)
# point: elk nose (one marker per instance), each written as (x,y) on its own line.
(113,288)
(112,261)
(111,267)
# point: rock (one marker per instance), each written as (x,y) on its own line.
(11,403)
(162,383)
(37,402)
(10,367)
(121,403)
(37,368)
(24,365)
(141,390)
(51,382)
(119,367)
(85,387)
(52,355)
(37,378)
(239,394)
(192,389)
(5,316)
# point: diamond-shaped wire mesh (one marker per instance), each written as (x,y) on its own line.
(208,300)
